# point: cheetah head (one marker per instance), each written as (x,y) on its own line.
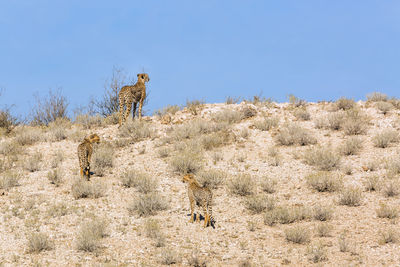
(94,138)
(187,178)
(144,77)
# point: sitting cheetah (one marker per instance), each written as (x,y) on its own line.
(85,150)
(132,94)
(201,196)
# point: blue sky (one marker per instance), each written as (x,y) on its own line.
(316,50)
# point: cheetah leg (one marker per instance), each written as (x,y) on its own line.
(134,110)
(205,216)
(81,171)
(121,110)
(191,211)
(128,110)
(140,108)
(88,173)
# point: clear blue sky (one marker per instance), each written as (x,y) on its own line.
(316,50)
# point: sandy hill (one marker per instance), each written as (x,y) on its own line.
(293,184)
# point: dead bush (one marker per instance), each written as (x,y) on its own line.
(384,107)
(90,234)
(286,215)
(164,152)
(350,196)
(169,256)
(322,213)
(385,211)
(388,236)
(211,178)
(186,162)
(85,189)
(147,204)
(55,177)
(267,123)
(103,158)
(302,114)
(298,234)
(143,182)
(152,230)
(169,109)
(324,229)
(345,103)
(38,242)
(320,122)
(372,183)
(88,122)
(49,108)
(136,130)
(391,188)
(355,122)
(268,185)
(384,138)
(7,121)
(351,146)
(293,134)
(32,163)
(324,158)
(248,112)
(295,101)
(376,97)
(28,136)
(9,179)
(10,148)
(317,252)
(335,120)
(242,185)
(259,203)
(228,116)
(195,106)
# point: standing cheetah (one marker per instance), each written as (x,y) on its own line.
(132,94)
(85,150)
(201,196)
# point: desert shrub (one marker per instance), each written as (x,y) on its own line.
(152,230)
(372,183)
(323,158)
(388,236)
(76,135)
(28,136)
(302,114)
(163,152)
(55,177)
(298,234)
(384,107)
(317,252)
(136,130)
(90,234)
(38,242)
(242,185)
(113,118)
(85,189)
(194,106)
(248,112)
(376,97)
(169,256)
(355,122)
(195,261)
(102,158)
(147,204)
(7,120)
(88,122)
(275,158)
(211,141)
(391,188)
(49,108)
(211,178)
(320,122)
(335,120)
(345,103)
(296,102)
(371,165)
(385,138)
(393,166)
(57,133)
(232,100)
(32,163)
(58,210)
(9,179)
(169,109)
(186,162)
(293,134)
(351,146)
(385,211)
(322,213)
(58,157)
(267,123)
(143,182)
(10,148)
(323,229)
(228,116)
(286,215)
(259,203)
(268,184)
(350,196)
(347,168)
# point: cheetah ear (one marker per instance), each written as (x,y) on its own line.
(138,75)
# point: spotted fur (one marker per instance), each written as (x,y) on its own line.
(201,196)
(85,150)
(132,94)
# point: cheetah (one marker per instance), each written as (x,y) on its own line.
(132,94)
(201,196)
(85,150)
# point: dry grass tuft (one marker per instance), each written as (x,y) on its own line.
(90,233)
(188,161)
(386,211)
(350,196)
(143,182)
(102,158)
(152,230)
(376,97)
(384,138)
(32,164)
(38,242)
(322,213)
(9,179)
(211,178)
(85,189)
(286,215)
(372,183)
(55,177)
(351,146)
(384,107)
(242,185)
(267,123)
(169,256)
(195,106)
(355,122)
(268,185)
(324,229)
(147,204)
(324,158)
(345,103)
(136,130)
(302,114)
(317,252)
(391,188)
(259,203)
(89,122)
(228,116)
(27,136)
(293,134)
(388,236)
(298,234)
